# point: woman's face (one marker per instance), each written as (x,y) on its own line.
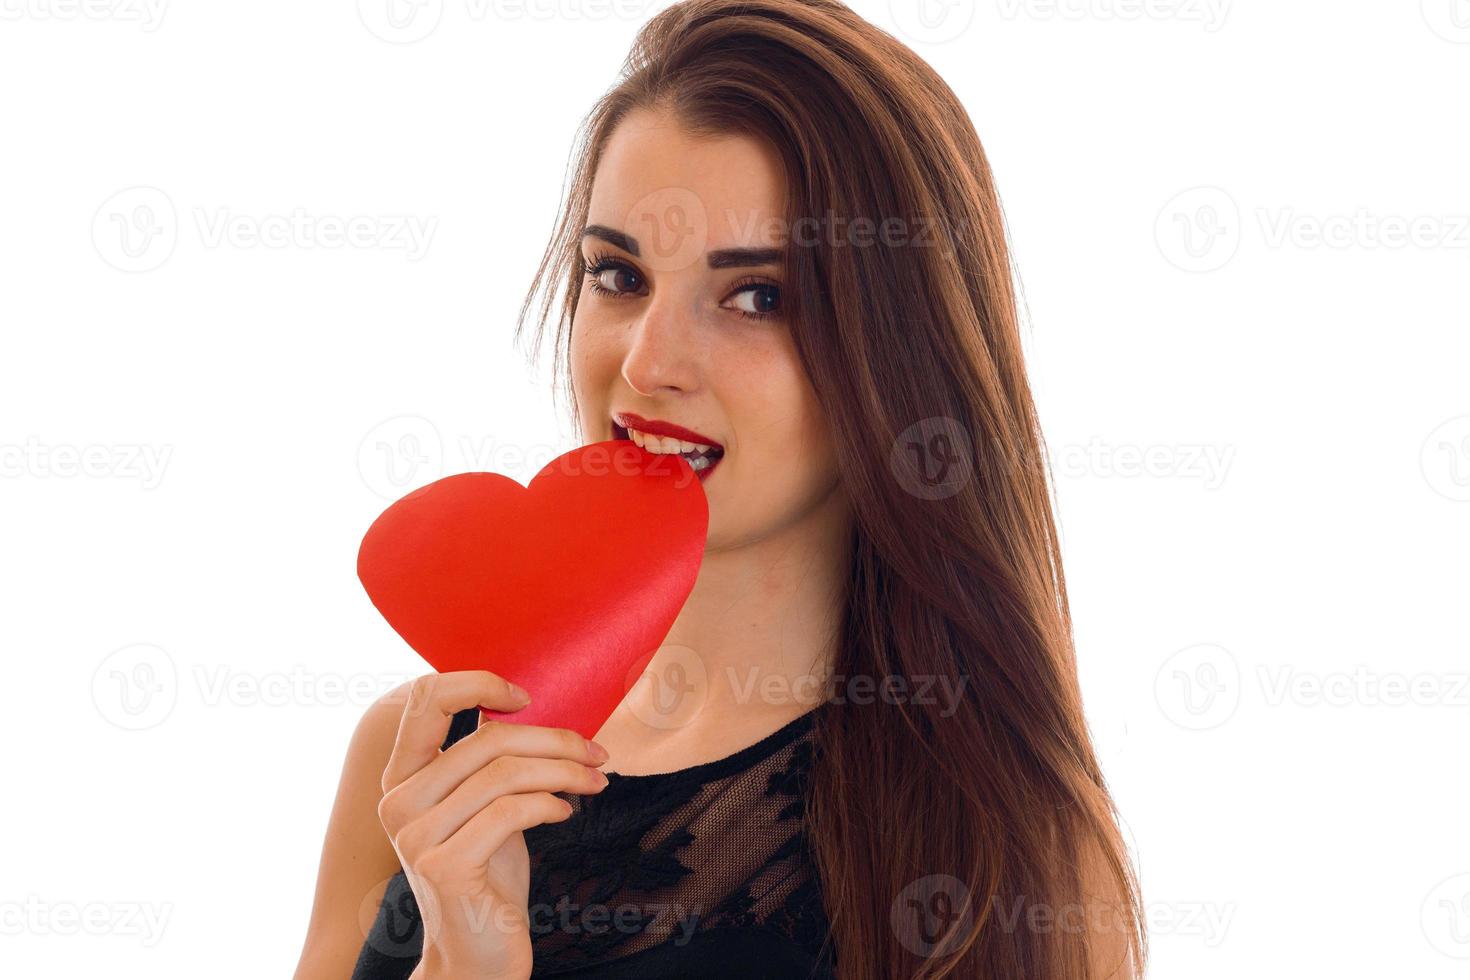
(670,329)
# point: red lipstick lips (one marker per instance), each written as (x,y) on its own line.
(656,427)
(703,462)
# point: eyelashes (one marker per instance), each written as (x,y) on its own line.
(603,262)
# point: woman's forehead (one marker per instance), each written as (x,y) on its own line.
(656,182)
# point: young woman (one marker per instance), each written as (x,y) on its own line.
(783,257)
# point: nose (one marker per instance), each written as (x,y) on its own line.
(660,356)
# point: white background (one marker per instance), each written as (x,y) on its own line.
(1253,386)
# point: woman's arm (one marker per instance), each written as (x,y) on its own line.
(357,857)
(1110,951)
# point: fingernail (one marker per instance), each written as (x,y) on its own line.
(520,694)
(598,752)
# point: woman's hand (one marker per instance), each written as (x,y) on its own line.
(456,819)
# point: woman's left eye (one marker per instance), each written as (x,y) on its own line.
(609,285)
(764,299)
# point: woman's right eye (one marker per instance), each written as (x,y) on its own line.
(610,277)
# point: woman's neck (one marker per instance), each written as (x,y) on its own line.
(755,641)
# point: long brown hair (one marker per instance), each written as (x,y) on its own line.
(974,838)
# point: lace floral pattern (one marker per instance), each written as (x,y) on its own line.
(706,871)
(659,859)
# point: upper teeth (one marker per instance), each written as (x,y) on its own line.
(664,444)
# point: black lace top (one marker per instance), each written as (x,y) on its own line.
(702,872)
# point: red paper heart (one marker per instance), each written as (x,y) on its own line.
(565,587)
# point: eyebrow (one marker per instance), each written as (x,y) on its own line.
(722,258)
